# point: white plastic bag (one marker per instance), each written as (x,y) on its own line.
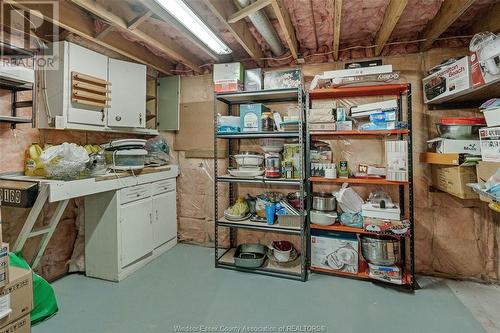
(65,161)
(349,201)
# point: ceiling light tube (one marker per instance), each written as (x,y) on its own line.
(188,18)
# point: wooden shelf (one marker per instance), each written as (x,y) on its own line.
(473,96)
(268,266)
(358,91)
(359,275)
(150,98)
(367,181)
(359,231)
(362,275)
(359,132)
(259,226)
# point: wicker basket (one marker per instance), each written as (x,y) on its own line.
(289,220)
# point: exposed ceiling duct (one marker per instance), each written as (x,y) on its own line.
(265,28)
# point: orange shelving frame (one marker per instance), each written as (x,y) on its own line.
(359,91)
(357,180)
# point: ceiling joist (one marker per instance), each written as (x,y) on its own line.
(491,22)
(248,10)
(168,47)
(449,12)
(77,22)
(104,32)
(337,18)
(223,10)
(133,24)
(391,18)
(286,26)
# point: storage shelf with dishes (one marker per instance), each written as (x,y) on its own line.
(249,175)
(18,82)
(249,224)
(257,135)
(259,180)
(357,180)
(402,92)
(226,260)
(355,230)
(323,134)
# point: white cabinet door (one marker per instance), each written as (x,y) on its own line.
(164,218)
(128,94)
(136,230)
(91,63)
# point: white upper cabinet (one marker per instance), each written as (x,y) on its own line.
(84,107)
(87,62)
(128,94)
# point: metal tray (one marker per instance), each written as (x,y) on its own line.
(250,255)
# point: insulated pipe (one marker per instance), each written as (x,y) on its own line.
(265,28)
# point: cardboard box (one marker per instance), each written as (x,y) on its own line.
(480,75)
(444,159)
(328,246)
(251,117)
(490,144)
(454,180)
(448,81)
(492,116)
(449,146)
(344,125)
(4,265)
(322,126)
(228,77)
(17,296)
(22,325)
(282,79)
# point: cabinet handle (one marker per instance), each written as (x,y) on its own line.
(157,215)
(103,115)
(140,118)
(150,218)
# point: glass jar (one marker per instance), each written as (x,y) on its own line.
(267,122)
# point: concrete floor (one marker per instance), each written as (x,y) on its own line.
(182,289)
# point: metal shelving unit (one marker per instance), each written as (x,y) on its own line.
(14,87)
(399,90)
(224,256)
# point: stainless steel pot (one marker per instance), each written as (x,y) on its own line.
(381,250)
(324,202)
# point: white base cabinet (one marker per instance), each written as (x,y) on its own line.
(127,228)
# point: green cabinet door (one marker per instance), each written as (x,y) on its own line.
(168,103)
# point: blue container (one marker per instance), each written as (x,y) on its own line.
(251,117)
(270,213)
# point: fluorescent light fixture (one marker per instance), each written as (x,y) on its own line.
(185,15)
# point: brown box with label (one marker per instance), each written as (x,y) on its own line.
(22,325)
(17,295)
(4,264)
(454,180)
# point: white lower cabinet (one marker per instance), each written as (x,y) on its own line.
(136,230)
(126,229)
(164,210)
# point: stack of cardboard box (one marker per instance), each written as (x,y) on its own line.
(16,295)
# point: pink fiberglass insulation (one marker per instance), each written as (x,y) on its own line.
(301,15)
(463,25)
(361,19)
(414,19)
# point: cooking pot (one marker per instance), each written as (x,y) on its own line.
(381,250)
(324,202)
